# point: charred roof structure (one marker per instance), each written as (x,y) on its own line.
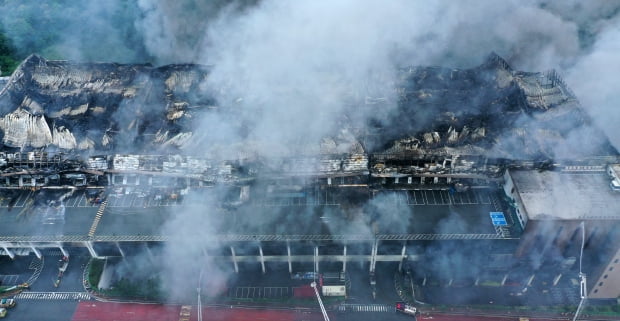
(489,110)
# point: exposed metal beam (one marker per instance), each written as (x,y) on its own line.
(288,253)
(254,237)
(234,258)
(262,258)
(344,258)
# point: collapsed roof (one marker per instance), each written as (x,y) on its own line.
(488,110)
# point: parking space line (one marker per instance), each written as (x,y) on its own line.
(22,200)
(449,195)
(443,200)
(458,196)
(18,199)
(469,195)
(71,201)
(433,195)
(78,200)
(129,200)
(488,199)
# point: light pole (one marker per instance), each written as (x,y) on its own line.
(199,308)
(582,276)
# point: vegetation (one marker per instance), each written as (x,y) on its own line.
(67,29)
(8,58)
(94,272)
(603,310)
(146,290)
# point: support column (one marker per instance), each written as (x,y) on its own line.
(91,249)
(62,250)
(316,259)
(373,256)
(262,258)
(147,249)
(288,253)
(344,259)
(8,252)
(234,259)
(118,246)
(36,252)
(403,255)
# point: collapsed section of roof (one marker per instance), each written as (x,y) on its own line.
(489,110)
(91,105)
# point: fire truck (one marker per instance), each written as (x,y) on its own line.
(407,309)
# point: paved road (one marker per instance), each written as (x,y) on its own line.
(447,317)
(44,310)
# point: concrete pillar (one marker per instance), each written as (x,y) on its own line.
(36,252)
(422,180)
(110,179)
(529,281)
(234,259)
(396,180)
(344,259)
(62,250)
(120,250)
(373,255)
(329,181)
(288,253)
(409,180)
(403,255)
(316,259)
(21,181)
(91,249)
(262,258)
(8,252)
(148,249)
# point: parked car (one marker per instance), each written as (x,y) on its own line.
(7,303)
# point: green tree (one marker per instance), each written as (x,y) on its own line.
(8,62)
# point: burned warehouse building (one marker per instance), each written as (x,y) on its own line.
(459,176)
